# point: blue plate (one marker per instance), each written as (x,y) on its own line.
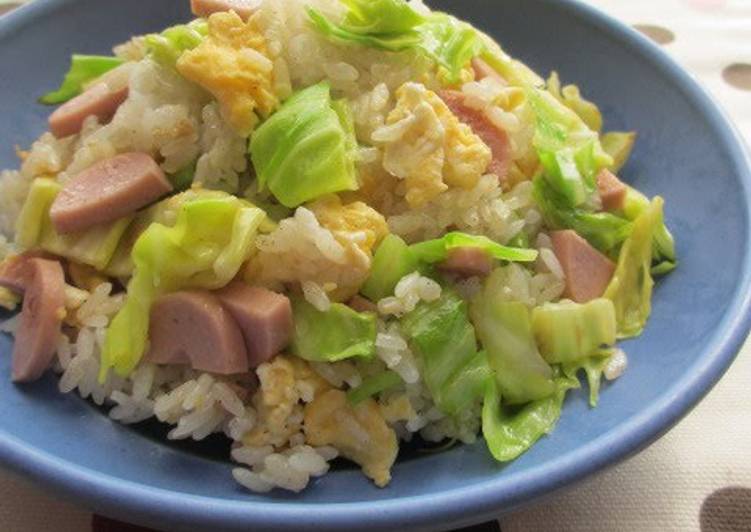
(686,151)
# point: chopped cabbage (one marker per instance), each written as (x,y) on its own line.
(631,286)
(505,330)
(393,260)
(603,230)
(618,144)
(569,331)
(336,334)
(508,435)
(373,385)
(306,149)
(211,238)
(442,337)
(437,250)
(394,26)
(166,47)
(83,70)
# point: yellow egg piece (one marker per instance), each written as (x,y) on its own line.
(428,147)
(232,64)
(359,433)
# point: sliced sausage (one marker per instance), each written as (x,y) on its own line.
(362,304)
(493,136)
(192,327)
(483,70)
(587,271)
(108,190)
(612,190)
(16,270)
(41,317)
(244,8)
(98,100)
(265,318)
(467,262)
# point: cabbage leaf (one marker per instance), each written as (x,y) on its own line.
(571,97)
(618,144)
(630,289)
(505,329)
(374,385)
(570,152)
(393,259)
(436,250)
(394,26)
(664,257)
(604,230)
(442,337)
(509,434)
(336,334)
(210,239)
(83,70)
(306,149)
(594,367)
(166,47)
(569,331)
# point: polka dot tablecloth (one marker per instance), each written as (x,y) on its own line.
(697,477)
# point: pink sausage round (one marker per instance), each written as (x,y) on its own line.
(192,327)
(265,318)
(99,100)
(41,317)
(108,190)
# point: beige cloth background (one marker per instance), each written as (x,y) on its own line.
(697,477)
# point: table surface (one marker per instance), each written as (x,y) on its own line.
(698,476)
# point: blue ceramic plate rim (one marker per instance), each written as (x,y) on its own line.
(115,496)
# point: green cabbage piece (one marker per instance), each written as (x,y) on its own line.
(306,149)
(440,334)
(373,385)
(83,70)
(631,286)
(436,250)
(618,144)
(394,41)
(570,152)
(605,231)
(380,16)
(211,238)
(505,330)
(450,43)
(514,72)
(393,259)
(507,433)
(569,331)
(593,366)
(394,26)
(336,334)
(571,97)
(34,229)
(166,47)
(664,257)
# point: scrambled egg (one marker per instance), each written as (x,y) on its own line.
(354,222)
(358,432)
(8,300)
(428,147)
(397,408)
(232,64)
(276,402)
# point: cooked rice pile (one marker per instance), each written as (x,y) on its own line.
(275,415)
